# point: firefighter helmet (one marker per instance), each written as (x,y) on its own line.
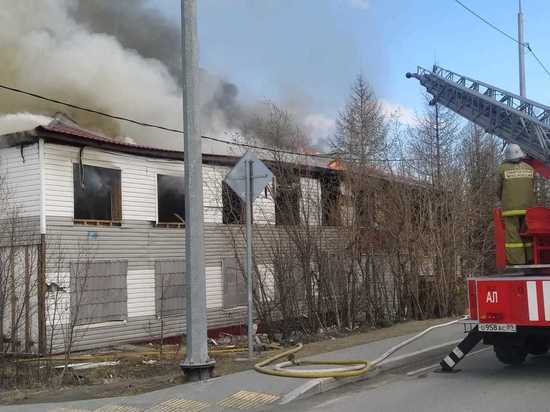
(513,153)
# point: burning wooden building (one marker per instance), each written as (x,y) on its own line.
(101,228)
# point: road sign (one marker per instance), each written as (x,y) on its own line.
(248,179)
(260,174)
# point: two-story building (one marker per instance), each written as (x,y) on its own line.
(101,240)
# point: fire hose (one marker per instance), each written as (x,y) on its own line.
(340,369)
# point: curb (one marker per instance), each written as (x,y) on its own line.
(320,385)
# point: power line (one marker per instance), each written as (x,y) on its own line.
(525,44)
(169,129)
(538,60)
(484,20)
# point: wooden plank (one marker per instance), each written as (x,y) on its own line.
(13,302)
(27,309)
(41,292)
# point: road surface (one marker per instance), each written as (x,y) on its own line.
(482,384)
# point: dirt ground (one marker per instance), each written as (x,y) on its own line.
(139,368)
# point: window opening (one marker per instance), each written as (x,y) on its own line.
(97,195)
(171,199)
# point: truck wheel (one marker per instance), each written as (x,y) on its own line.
(537,348)
(510,355)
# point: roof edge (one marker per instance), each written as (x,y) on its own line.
(216,159)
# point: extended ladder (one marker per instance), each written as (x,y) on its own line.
(512,118)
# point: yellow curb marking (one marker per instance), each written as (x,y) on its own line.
(248,400)
(118,408)
(68,410)
(179,405)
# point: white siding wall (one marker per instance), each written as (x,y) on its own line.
(139,181)
(22,177)
(264,207)
(267,278)
(58,304)
(214,287)
(212,177)
(310,203)
(141,293)
(346,205)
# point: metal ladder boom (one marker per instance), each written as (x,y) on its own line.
(513,118)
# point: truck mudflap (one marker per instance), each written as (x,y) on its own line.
(461,350)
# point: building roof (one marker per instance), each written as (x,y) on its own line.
(64,132)
(84,136)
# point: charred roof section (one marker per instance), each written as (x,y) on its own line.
(60,133)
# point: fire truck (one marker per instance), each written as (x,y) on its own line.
(511,310)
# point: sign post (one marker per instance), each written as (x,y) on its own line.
(248,179)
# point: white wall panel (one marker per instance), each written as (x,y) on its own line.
(58,300)
(310,203)
(21,172)
(138,181)
(141,293)
(214,287)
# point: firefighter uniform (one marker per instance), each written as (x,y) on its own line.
(516,187)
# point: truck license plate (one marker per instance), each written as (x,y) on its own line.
(497,327)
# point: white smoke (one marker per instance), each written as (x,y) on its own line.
(18,122)
(76,51)
(45,50)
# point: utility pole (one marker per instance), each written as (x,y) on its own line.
(521,47)
(197,364)
(249,200)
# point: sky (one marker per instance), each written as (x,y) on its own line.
(308,52)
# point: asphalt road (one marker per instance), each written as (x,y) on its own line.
(482,384)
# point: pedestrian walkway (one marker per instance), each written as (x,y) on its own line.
(248,390)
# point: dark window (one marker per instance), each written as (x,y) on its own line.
(233,207)
(330,200)
(97,195)
(171,199)
(364,208)
(287,199)
(98,292)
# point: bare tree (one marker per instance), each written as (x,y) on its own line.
(361,126)
(275,126)
(481,155)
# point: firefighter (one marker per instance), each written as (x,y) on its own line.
(516,193)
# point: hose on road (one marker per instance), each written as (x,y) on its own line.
(341,368)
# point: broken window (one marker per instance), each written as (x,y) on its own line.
(233,207)
(287,199)
(171,199)
(170,287)
(98,292)
(330,200)
(97,194)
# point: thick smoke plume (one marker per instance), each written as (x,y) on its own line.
(136,26)
(113,56)
(120,57)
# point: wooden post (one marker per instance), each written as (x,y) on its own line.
(3,289)
(41,295)
(13,302)
(27,308)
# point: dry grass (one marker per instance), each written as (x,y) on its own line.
(132,376)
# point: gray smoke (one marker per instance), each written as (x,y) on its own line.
(144,29)
(116,56)
(136,26)
(72,50)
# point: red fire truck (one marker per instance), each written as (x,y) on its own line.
(510,311)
